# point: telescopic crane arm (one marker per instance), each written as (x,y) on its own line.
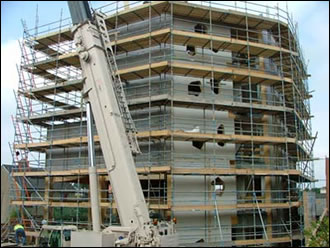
(103,91)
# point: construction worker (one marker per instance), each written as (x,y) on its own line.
(19,231)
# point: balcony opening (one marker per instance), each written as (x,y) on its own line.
(191,50)
(215,86)
(200,28)
(220,130)
(194,88)
(219,186)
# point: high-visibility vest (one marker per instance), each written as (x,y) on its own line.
(18,226)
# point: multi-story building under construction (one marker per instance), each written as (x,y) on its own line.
(219,96)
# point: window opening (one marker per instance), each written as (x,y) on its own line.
(191,50)
(198,144)
(194,88)
(215,50)
(215,86)
(200,28)
(220,130)
(219,186)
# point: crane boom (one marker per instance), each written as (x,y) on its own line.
(99,91)
(103,92)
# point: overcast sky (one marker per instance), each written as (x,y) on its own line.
(313,23)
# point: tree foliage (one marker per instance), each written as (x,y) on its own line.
(321,238)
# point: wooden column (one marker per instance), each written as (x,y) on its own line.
(103,195)
(306,212)
(48,212)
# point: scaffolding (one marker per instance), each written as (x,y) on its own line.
(219,95)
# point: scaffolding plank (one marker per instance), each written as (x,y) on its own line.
(68,59)
(262,241)
(233,171)
(198,70)
(51,38)
(135,14)
(46,75)
(141,12)
(231,44)
(60,87)
(241,206)
(238,73)
(101,171)
(54,116)
(294,174)
(179,68)
(77,204)
(54,103)
(178,101)
(236,242)
(198,39)
(142,40)
(85,179)
(205,137)
(191,10)
(32,234)
(164,134)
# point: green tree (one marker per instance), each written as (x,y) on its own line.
(321,238)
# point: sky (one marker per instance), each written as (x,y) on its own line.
(313,26)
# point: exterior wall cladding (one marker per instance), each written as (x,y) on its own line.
(220,100)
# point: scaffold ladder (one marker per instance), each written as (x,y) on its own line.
(118,86)
(310,153)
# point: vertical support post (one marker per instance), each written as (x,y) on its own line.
(126,5)
(327,181)
(267,160)
(306,213)
(251,111)
(149,102)
(169,190)
(172,185)
(47,214)
(103,194)
(283,88)
(95,206)
(268,185)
